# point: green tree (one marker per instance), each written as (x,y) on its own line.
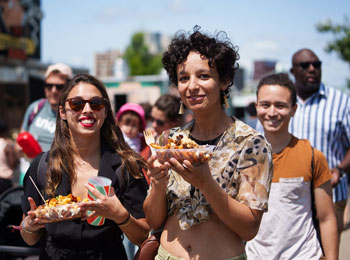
(341,43)
(139,59)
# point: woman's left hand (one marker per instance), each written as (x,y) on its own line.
(195,175)
(106,206)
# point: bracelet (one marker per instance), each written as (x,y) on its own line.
(26,230)
(125,222)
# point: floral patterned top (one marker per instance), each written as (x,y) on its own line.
(241,165)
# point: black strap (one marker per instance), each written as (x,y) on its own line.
(313,206)
(36,110)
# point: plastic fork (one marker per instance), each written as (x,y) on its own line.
(149,138)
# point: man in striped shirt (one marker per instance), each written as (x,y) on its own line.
(323,117)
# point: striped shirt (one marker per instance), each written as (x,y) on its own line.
(324,120)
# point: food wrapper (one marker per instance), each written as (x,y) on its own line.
(103,185)
(195,156)
(53,211)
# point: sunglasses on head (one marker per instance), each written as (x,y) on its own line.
(77,104)
(158,122)
(306,65)
(58,86)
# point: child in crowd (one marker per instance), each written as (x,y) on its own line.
(131,120)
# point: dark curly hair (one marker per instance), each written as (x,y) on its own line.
(218,50)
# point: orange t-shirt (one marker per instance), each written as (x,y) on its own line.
(295,161)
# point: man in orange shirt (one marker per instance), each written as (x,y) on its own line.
(301,173)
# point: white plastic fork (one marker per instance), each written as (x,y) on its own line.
(149,138)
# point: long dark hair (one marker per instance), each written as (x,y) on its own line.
(61,152)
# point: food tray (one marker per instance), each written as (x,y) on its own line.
(195,156)
(58,213)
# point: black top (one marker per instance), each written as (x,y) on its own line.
(76,239)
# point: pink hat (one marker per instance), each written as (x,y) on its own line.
(135,108)
(60,67)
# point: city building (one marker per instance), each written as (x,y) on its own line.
(262,68)
(156,42)
(105,63)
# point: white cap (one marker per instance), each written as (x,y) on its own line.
(61,68)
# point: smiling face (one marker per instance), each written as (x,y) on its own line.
(274,108)
(86,122)
(199,85)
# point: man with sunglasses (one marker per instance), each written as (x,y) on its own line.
(323,117)
(40,116)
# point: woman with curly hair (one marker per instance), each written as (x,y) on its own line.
(208,211)
(87,143)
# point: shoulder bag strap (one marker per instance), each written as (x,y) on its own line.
(36,110)
(313,206)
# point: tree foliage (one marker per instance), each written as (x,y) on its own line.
(341,42)
(139,59)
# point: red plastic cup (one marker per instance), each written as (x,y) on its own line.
(29,145)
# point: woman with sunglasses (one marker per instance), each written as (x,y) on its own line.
(208,211)
(87,143)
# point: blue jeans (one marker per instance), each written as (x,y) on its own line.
(130,248)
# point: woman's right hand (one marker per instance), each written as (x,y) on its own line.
(31,222)
(157,173)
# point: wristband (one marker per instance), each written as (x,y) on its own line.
(125,222)
(23,225)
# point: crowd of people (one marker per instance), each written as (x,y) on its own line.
(275,186)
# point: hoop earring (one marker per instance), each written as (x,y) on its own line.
(182,108)
(226,102)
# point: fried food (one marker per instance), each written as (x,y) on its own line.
(60,208)
(178,142)
(182,148)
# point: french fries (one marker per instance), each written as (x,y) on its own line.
(60,208)
(182,148)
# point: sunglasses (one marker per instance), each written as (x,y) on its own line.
(77,104)
(158,122)
(306,65)
(58,86)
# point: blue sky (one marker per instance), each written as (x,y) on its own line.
(73,30)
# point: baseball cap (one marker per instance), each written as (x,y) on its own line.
(60,67)
(135,108)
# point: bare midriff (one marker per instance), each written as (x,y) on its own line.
(206,241)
